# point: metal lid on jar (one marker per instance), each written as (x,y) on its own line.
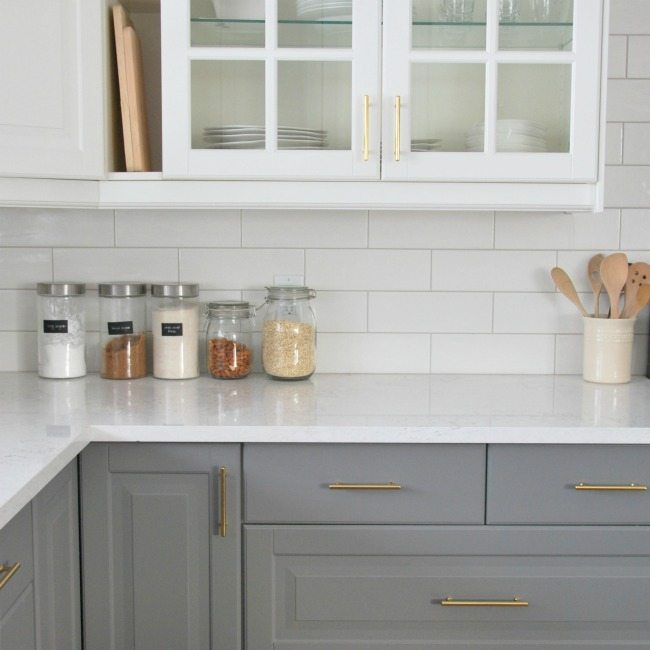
(61,289)
(290,293)
(122,289)
(175,290)
(230,309)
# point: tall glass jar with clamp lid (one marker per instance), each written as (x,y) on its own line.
(289,333)
(230,338)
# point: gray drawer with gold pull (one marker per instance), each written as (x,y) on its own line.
(568,484)
(352,483)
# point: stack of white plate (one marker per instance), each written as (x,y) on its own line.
(247,136)
(426,144)
(512,136)
(324,9)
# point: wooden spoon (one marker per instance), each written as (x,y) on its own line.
(593,270)
(640,301)
(613,271)
(563,283)
(637,275)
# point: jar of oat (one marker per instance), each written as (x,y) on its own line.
(175,316)
(289,333)
(123,344)
(230,338)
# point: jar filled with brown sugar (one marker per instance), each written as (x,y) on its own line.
(230,339)
(123,342)
(289,333)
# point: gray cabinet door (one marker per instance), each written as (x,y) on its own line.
(17,616)
(334,587)
(157,571)
(56,563)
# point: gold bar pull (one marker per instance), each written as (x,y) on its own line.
(366,127)
(365,486)
(630,487)
(453,602)
(223,521)
(398,127)
(9,571)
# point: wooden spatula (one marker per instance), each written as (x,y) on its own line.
(637,275)
(640,301)
(593,271)
(565,285)
(613,271)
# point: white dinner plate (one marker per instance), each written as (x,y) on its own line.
(260,136)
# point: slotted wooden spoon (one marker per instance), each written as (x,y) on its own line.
(613,271)
(565,285)
(593,271)
(638,274)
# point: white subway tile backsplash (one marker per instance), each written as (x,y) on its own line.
(617,66)
(627,186)
(163,228)
(95,265)
(628,100)
(629,17)
(369,270)
(575,264)
(22,268)
(366,353)
(492,270)
(638,57)
(18,309)
(18,351)
(492,353)
(55,227)
(557,230)
(395,229)
(614,143)
(429,312)
(341,311)
(635,230)
(637,144)
(238,268)
(304,228)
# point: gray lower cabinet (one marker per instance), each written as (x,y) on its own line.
(161,546)
(407,587)
(39,551)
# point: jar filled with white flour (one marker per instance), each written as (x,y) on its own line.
(175,322)
(61,330)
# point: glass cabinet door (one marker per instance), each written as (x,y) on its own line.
(491,90)
(271,88)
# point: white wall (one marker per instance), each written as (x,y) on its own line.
(398,292)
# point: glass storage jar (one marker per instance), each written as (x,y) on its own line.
(61,330)
(122,314)
(230,338)
(289,333)
(175,326)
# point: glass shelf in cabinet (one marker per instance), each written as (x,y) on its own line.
(248,21)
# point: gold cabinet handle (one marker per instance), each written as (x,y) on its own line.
(630,487)
(9,571)
(223,499)
(365,486)
(366,127)
(453,602)
(398,127)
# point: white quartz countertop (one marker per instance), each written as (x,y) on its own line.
(44,423)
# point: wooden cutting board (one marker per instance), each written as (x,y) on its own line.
(120,21)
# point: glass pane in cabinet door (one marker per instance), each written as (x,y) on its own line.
(534,109)
(536,25)
(448,24)
(447,103)
(314,104)
(228,105)
(227,23)
(315,23)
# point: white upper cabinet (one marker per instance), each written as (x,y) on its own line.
(264,89)
(507,91)
(51,107)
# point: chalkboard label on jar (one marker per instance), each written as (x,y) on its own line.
(55,326)
(121,327)
(172,329)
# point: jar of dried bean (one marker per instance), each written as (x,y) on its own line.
(229,337)
(289,333)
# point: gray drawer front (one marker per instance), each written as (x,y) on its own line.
(16,545)
(535,484)
(337,586)
(290,483)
